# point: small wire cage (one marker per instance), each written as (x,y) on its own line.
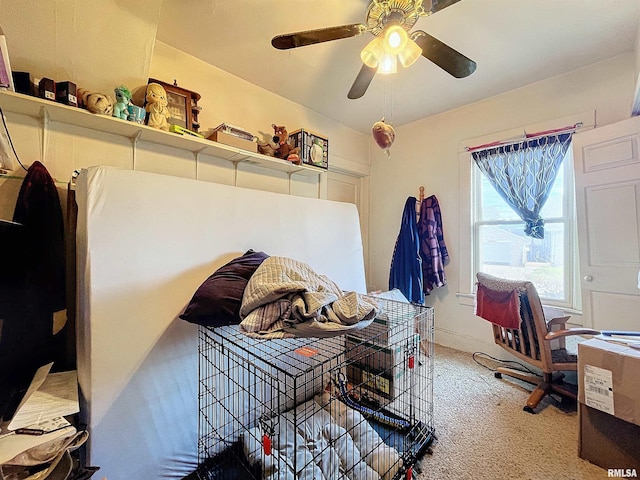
(355,406)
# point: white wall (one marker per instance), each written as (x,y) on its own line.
(113,43)
(427,153)
(98,46)
(636,100)
(230,99)
(63,40)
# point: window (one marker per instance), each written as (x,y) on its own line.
(501,248)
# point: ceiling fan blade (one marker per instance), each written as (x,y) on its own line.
(437,5)
(362,82)
(448,59)
(310,37)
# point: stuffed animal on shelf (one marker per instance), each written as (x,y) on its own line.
(283,149)
(267,148)
(95,102)
(156,107)
(123,99)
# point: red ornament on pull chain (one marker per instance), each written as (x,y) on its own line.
(384,135)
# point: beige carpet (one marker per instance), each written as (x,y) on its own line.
(483,433)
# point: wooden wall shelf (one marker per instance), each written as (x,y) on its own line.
(48,111)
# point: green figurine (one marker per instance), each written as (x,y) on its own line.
(123,99)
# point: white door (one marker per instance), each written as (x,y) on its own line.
(352,189)
(607,164)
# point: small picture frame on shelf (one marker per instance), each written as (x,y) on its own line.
(177,105)
(6,78)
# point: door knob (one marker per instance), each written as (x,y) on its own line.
(588,278)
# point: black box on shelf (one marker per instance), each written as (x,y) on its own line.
(47,89)
(22,82)
(66,92)
(314,148)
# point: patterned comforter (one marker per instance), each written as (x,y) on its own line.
(287,298)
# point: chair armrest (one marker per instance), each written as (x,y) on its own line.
(555,320)
(562,321)
(567,332)
(554,316)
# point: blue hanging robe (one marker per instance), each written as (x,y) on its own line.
(406,264)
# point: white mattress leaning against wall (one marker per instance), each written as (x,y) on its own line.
(145,242)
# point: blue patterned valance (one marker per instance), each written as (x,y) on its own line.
(523,174)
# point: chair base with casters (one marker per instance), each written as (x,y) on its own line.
(546,384)
(530,336)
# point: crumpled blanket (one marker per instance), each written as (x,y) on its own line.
(286,298)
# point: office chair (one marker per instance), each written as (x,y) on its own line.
(520,327)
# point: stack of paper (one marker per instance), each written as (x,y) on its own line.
(630,339)
(40,416)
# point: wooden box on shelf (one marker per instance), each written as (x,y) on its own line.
(182,104)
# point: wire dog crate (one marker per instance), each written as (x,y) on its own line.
(356,406)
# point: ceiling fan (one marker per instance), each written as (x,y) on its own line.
(384,19)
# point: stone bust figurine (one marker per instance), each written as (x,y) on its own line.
(156,107)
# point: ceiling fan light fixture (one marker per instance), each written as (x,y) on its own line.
(390,22)
(410,54)
(372,53)
(388,64)
(395,39)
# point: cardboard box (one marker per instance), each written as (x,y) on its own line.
(607,441)
(609,410)
(388,330)
(378,370)
(233,141)
(314,148)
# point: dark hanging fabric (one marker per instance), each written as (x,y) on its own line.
(15,376)
(33,287)
(38,209)
(433,250)
(406,265)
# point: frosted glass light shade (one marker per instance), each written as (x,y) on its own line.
(388,63)
(372,53)
(410,54)
(395,39)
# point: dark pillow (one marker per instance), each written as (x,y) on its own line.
(217,301)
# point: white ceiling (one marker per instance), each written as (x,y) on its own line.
(513,42)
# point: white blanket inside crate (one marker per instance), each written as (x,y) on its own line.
(328,440)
